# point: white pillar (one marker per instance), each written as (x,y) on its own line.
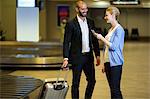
(28,24)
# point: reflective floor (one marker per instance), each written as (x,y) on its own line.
(135,79)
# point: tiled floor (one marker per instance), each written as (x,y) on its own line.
(135,79)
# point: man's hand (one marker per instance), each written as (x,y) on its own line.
(65,63)
(103,68)
(97,61)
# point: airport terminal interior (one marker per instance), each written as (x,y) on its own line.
(31,47)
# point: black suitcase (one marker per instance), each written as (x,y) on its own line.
(55,88)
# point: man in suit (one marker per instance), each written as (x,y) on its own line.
(78,47)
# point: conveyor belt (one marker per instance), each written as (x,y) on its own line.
(30,54)
(21,87)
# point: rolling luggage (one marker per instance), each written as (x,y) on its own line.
(55,88)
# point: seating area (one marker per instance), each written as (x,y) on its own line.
(134,35)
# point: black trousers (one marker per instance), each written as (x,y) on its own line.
(88,67)
(113,75)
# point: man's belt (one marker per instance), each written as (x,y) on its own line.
(85,53)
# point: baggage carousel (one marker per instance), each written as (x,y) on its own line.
(30,54)
(20,87)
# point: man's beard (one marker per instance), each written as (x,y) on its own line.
(81,14)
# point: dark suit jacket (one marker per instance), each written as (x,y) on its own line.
(72,45)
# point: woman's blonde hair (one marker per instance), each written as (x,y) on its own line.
(113,10)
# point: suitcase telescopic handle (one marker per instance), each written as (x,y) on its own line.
(65,76)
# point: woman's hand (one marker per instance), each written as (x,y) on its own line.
(98,36)
(94,33)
